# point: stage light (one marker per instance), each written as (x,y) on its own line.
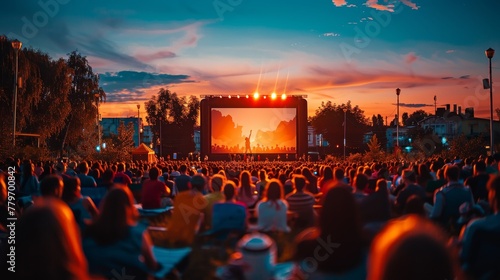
(229,96)
(256,95)
(283,96)
(265,96)
(273,95)
(220,96)
(247,96)
(238,96)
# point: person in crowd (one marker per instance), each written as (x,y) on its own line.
(261,184)
(83,207)
(107,179)
(432,186)
(272,209)
(448,199)
(52,186)
(86,180)
(476,232)
(47,170)
(301,203)
(29,181)
(48,243)
(477,183)
(327,176)
(413,248)
(338,241)
(247,190)
(312,187)
(71,169)
(183,179)
(410,188)
(120,176)
(424,176)
(214,196)
(360,184)
(155,193)
(190,208)
(116,242)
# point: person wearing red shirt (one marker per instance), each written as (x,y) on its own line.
(154,192)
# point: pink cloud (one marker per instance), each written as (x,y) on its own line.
(411,57)
(410,4)
(156,55)
(339,3)
(375,5)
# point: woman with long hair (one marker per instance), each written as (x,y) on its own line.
(340,229)
(312,187)
(115,241)
(246,193)
(272,209)
(83,207)
(29,181)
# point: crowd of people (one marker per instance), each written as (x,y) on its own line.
(433,219)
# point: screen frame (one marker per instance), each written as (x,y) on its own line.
(214,102)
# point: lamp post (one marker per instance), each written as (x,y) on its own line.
(345,128)
(16,44)
(398,92)
(97,95)
(138,126)
(489,54)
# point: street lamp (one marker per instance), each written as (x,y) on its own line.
(16,44)
(138,126)
(489,54)
(398,92)
(345,126)
(97,95)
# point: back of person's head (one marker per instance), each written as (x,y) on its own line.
(154,172)
(382,186)
(117,213)
(409,175)
(262,175)
(48,243)
(415,205)
(120,167)
(360,181)
(452,173)
(71,188)
(411,248)
(494,193)
(83,167)
(480,167)
(245,178)
(339,174)
(229,190)
(340,215)
(183,168)
(216,183)
(198,182)
(108,175)
(300,182)
(273,190)
(51,185)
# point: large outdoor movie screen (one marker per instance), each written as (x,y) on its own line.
(254,130)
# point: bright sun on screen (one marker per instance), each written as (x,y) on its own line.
(253,130)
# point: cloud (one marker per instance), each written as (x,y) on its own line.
(450,51)
(156,55)
(411,57)
(413,105)
(464,77)
(339,3)
(410,4)
(130,85)
(375,5)
(331,34)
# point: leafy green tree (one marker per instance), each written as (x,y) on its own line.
(375,152)
(415,117)
(175,117)
(329,120)
(463,147)
(119,146)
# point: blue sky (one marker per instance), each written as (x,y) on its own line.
(336,50)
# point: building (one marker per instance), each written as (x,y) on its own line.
(314,139)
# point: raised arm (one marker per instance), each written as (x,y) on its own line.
(250,135)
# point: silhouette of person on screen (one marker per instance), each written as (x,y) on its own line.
(247,143)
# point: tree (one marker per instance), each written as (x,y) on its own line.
(42,104)
(463,147)
(175,117)
(404,118)
(415,117)
(84,92)
(329,120)
(374,152)
(119,146)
